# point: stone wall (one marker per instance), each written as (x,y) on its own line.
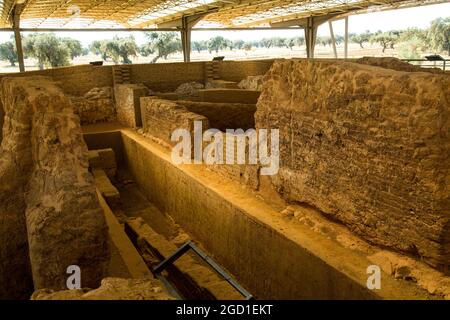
(367,146)
(48,200)
(166,77)
(161,117)
(95,106)
(224,116)
(128,106)
(74,80)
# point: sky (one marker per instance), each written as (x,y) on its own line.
(420,17)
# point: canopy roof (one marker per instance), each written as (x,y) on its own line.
(137,14)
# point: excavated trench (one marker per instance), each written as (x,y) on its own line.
(163,206)
(155,235)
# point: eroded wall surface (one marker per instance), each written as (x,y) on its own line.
(49,210)
(368,146)
(127,98)
(162,117)
(95,106)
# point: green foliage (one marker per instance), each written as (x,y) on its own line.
(360,38)
(217,43)
(324,41)
(239,44)
(162,44)
(410,49)
(439,35)
(48,49)
(118,49)
(74,46)
(385,39)
(98,47)
(199,46)
(8,52)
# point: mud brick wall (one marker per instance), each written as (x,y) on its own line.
(368,146)
(239,70)
(224,116)
(48,199)
(75,80)
(166,77)
(128,105)
(245,174)
(229,95)
(161,117)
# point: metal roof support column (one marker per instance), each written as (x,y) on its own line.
(333,40)
(18,38)
(346,38)
(186,24)
(310,36)
(186,39)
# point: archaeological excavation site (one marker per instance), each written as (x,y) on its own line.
(265,179)
(88,181)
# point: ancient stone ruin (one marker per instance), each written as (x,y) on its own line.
(88,180)
(50,213)
(368,146)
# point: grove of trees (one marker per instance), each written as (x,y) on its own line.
(49,50)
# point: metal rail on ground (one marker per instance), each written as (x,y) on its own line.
(190,245)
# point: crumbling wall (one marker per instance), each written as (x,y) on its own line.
(48,198)
(127,97)
(161,117)
(368,146)
(15,167)
(95,106)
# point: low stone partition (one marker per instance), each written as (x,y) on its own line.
(49,212)
(368,146)
(128,106)
(161,117)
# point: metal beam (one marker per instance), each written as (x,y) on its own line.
(310,37)
(187,23)
(143,30)
(333,40)
(346,39)
(17,11)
